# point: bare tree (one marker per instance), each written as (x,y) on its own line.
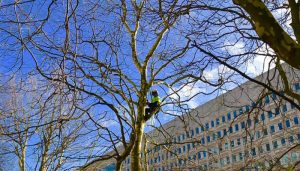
(110,53)
(243,39)
(38,126)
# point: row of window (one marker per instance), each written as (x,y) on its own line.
(271,114)
(242,155)
(243,125)
(285,160)
(205,140)
(233,143)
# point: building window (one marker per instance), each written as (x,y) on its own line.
(188,147)
(217,121)
(291,139)
(243,125)
(272,129)
(204,154)
(241,157)
(275,144)
(280,126)
(296,120)
(238,141)
(232,143)
(180,161)
(203,140)
(233,158)
(265,130)
(249,122)
(256,120)
(183,136)
(236,127)
(241,111)
(297,87)
(228,116)
(284,108)
(202,128)
(228,159)
(257,134)
(197,130)
(222,162)
(212,124)
(253,151)
(179,150)
(208,139)
(219,134)
(223,119)
(268,147)
(226,146)
(178,138)
(262,116)
(294,156)
(283,141)
(274,97)
(284,160)
(230,130)
(247,108)
(192,132)
(298,136)
(287,123)
(183,148)
(234,114)
(292,106)
(206,126)
(270,114)
(267,99)
(214,136)
(277,111)
(224,132)
(199,155)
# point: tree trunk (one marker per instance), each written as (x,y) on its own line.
(21,160)
(271,32)
(136,164)
(119,166)
(145,157)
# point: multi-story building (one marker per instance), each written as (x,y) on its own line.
(247,128)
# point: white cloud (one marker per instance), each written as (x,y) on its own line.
(216,73)
(186,92)
(234,48)
(109,123)
(260,63)
(257,66)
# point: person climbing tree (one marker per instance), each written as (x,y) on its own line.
(154,106)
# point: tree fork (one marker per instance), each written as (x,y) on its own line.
(136,164)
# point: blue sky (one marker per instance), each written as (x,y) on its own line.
(103,27)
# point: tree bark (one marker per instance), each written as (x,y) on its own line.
(119,166)
(136,164)
(270,31)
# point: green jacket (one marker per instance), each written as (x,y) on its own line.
(155,99)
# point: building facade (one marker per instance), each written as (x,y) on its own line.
(247,128)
